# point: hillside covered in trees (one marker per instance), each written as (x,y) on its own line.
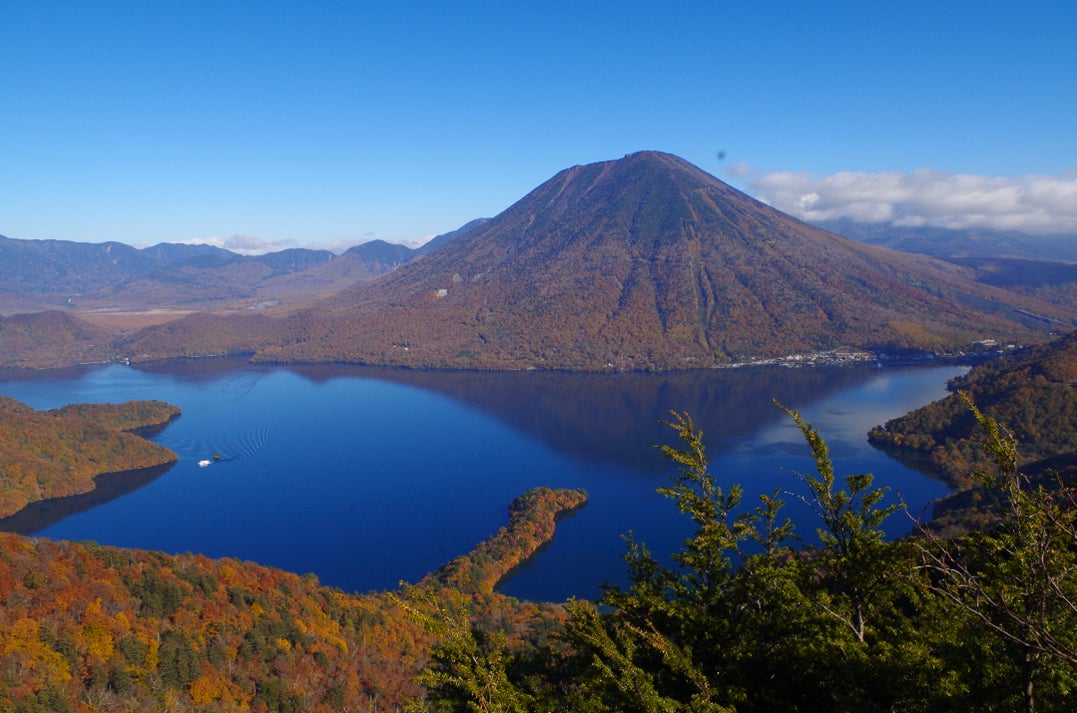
(91,628)
(51,454)
(1032,392)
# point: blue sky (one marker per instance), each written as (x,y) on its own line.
(333,123)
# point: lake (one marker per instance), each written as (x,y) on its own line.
(368,476)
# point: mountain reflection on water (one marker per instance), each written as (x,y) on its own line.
(366,476)
(618,417)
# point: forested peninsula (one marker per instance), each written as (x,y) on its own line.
(532,519)
(55,453)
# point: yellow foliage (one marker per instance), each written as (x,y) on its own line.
(153,657)
(212,687)
(36,665)
(121,622)
(96,640)
(227,575)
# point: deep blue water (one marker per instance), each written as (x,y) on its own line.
(366,476)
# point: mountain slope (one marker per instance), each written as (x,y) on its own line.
(53,338)
(649,262)
(1031,392)
(439,241)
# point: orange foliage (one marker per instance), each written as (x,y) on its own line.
(88,625)
(532,519)
(50,454)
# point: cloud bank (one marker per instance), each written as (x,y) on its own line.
(253,245)
(242,244)
(1030,204)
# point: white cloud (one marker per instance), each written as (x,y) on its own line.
(418,242)
(243,244)
(334,246)
(253,245)
(1031,204)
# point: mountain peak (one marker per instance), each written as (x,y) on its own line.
(650,262)
(657,163)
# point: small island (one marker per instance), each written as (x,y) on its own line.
(59,452)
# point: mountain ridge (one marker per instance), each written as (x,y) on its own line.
(950,243)
(111,276)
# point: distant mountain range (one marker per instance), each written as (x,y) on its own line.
(43,274)
(646,262)
(1043,266)
(958,243)
(61,272)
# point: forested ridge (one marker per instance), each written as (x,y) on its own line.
(50,454)
(1033,392)
(532,519)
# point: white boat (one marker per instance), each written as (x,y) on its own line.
(204,463)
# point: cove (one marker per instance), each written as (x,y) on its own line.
(367,476)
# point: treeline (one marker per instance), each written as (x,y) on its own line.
(742,621)
(51,454)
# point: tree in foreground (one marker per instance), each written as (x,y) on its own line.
(743,621)
(1018,581)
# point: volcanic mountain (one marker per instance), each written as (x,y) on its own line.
(649,262)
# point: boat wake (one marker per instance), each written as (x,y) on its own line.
(235,444)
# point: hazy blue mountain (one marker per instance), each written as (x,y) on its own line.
(954,243)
